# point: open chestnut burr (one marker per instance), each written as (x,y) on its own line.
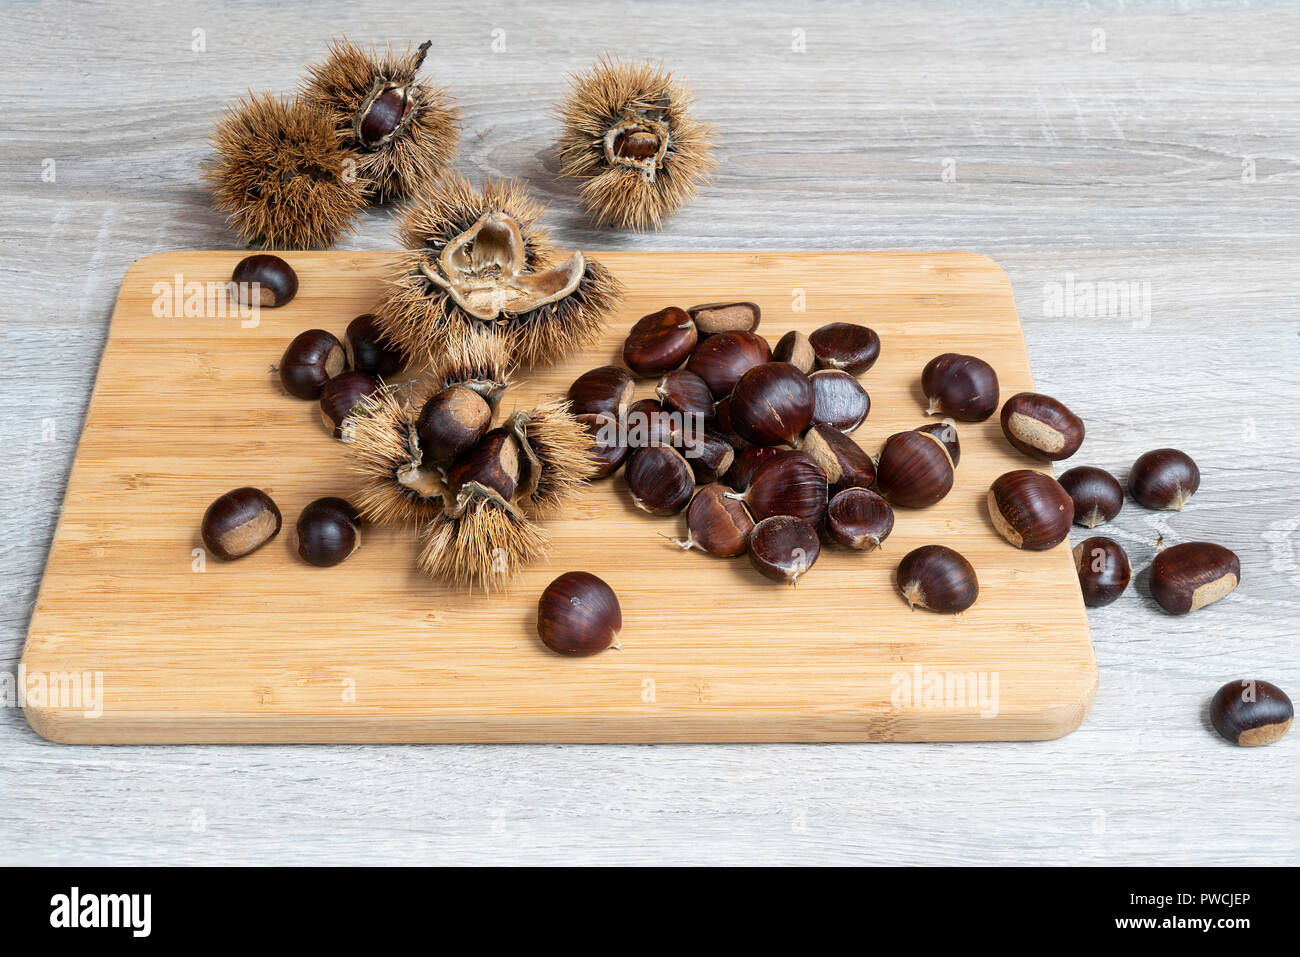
(937,578)
(964,387)
(660,479)
(495,462)
(606,390)
(1192,575)
(1096,494)
(847,346)
(859,518)
(712,318)
(915,469)
(1164,478)
(1041,427)
(772,404)
(451,423)
(845,463)
(791,484)
(329,530)
(720,360)
(716,523)
(1251,713)
(838,399)
(1103,570)
(1030,510)
(578,614)
(782,548)
(311,359)
(660,342)
(239,523)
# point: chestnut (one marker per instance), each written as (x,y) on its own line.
(450,423)
(859,518)
(1041,427)
(937,578)
(1030,510)
(607,390)
(369,351)
(239,522)
(708,452)
(1103,570)
(1096,494)
(715,317)
(312,359)
(915,469)
(340,395)
(847,346)
(660,479)
(791,484)
(1192,575)
(782,548)
(328,532)
(845,463)
(608,448)
(660,342)
(649,423)
(794,348)
(495,462)
(685,392)
(716,523)
(264,280)
(1251,712)
(838,399)
(964,387)
(722,359)
(946,433)
(1164,478)
(747,462)
(772,404)
(578,614)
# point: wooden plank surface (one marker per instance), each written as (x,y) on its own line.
(1166,155)
(270,649)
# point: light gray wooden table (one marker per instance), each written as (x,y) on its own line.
(1080,144)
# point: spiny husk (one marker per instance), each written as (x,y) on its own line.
(383,445)
(424,318)
(478,360)
(419,152)
(559,452)
(482,541)
(280,175)
(599,98)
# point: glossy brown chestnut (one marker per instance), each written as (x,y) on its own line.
(1096,494)
(964,387)
(782,548)
(451,423)
(264,280)
(660,479)
(747,462)
(312,359)
(1251,712)
(838,399)
(339,396)
(1103,570)
(794,348)
(847,346)
(607,390)
(240,522)
(791,484)
(369,351)
(859,518)
(946,433)
(720,360)
(329,530)
(937,578)
(1164,478)
(382,114)
(914,470)
(682,391)
(714,317)
(649,423)
(772,404)
(609,450)
(716,523)
(659,342)
(708,452)
(1041,427)
(578,614)
(495,462)
(1030,510)
(1192,575)
(845,463)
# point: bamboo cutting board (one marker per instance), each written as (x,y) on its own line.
(268,649)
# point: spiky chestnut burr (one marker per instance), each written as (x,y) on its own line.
(629,138)
(404,130)
(281,176)
(477,262)
(480,361)
(481,540)
(558,450)
(395,486)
